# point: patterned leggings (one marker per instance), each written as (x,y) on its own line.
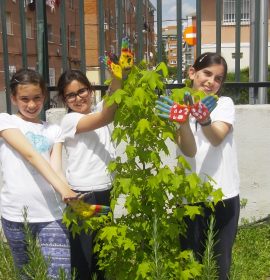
(53,239)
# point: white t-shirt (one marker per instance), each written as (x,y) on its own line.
(23,185)
(88,154)
(219,162)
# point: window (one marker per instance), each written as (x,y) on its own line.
(173,46)
(9,24)
(71,4)
(229,11)
(72,39)
(49,32)
(52,77)
(29,30)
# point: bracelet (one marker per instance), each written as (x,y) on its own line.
(206,123)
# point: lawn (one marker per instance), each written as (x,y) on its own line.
(251,254)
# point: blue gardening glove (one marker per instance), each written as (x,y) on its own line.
(172,110)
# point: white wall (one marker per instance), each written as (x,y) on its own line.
(227,50)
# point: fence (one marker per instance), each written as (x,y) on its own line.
(256,14)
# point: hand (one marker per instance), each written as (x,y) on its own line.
(85,210)
(172,111)
(118,67)
(68,195)
(202,109)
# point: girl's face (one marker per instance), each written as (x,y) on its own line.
(29,99)
(78,97)
(208,79)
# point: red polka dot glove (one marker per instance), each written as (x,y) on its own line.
(172,110)
(202,109)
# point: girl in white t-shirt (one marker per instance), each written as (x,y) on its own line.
(89,149)
(206,139)
(30,156)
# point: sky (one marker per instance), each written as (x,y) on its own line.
(169,10)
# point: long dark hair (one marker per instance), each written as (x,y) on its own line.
(208,59)
(67,77)
(26,76)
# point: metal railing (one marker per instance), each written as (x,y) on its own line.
(255,20)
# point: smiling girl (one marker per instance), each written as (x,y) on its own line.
(210,149)
(30,156)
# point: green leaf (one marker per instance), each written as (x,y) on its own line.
(217,195)
(182,161)
(163,67)
(143,125)
(125,184)
(192,211)
(164,174)
(107,233)
(143,269)
(131,151)
(168,134)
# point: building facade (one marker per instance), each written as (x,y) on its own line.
(110,29)
(14,42)
(228,39)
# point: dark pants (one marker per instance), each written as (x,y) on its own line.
(82,257)
(226,221)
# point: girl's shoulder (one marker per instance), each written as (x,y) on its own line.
(8,121)
(225,101)
(71,118)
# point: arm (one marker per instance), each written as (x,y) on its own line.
(216,132)
(185,140)
(99,119)
(17,141)
(56,161)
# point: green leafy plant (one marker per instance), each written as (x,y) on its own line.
(144,243)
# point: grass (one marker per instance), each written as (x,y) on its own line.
(251,252)
(251,255)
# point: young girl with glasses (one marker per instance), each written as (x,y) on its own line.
(30,155)
(89,149)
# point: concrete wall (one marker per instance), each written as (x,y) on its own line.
(252,134)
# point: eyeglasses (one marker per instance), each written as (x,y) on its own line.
(71,96)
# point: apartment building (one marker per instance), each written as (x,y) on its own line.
(169,36)
(91,19)
(14,41)
(110,28)
(208,30)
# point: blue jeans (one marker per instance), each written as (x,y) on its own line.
(53,240)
